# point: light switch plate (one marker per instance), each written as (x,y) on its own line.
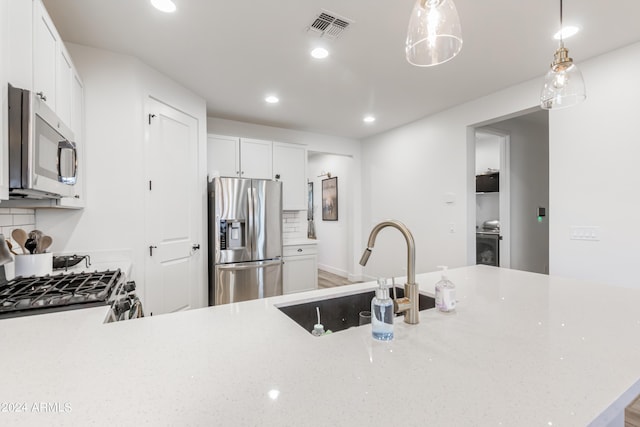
(591,233)
(449,198)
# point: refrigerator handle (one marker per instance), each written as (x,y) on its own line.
(250,228)
(248,265)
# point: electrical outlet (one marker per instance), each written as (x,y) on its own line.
(590,233)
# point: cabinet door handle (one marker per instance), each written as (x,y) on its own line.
(299,250)
(41,95)
(151,248)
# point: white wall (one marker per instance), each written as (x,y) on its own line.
(333,236)
(594,154)
(318,143)
(12,218)
(313,141)
(116,89)
(594,149)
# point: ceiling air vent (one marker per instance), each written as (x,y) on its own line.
(328,24)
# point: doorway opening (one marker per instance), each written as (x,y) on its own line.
(492,197)
(335,248)
(519,210)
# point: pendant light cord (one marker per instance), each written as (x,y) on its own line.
(561,28)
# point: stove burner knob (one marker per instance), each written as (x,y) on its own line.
(122,306)
(130,286)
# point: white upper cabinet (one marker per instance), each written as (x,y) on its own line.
(36,59)
(239,157)
(19,61)
(290,167)
(223,156)
(64,87)
(45,55)
(259,159)
(255,158)
(76,123)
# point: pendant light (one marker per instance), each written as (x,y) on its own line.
(434,34)
(563,84)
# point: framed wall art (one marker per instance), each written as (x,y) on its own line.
(330,199)
(310,201)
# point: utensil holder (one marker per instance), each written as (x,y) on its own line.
(34,264)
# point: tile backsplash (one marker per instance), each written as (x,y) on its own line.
(294,225)
(11,218)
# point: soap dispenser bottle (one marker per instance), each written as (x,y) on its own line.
(382,313)
(445,293)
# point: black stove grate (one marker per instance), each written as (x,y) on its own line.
(25,295)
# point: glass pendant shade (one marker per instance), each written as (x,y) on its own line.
(563,84)
(434,35)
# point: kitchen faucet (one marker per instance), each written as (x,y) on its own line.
(409,303)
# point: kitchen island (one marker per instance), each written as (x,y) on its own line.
(522,349)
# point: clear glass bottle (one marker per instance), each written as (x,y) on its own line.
(445,293)
(382,313)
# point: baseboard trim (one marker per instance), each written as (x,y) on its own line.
(333,270)
(355,278)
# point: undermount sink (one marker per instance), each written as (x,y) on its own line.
(340,313)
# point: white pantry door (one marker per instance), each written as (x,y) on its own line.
(173,215)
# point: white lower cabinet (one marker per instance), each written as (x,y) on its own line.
(300,269)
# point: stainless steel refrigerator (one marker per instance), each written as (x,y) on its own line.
(245,239)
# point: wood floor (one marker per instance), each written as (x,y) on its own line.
(632,414)
(330,280)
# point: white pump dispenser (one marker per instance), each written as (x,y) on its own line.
(318,328)
(445,292)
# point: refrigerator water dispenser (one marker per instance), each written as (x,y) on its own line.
(232,234)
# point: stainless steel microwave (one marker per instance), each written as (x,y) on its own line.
(43,160)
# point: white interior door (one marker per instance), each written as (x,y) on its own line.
(173,279)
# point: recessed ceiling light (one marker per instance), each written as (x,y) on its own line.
(566,32)
(319,53)
(164,5)
(272,99)
(369,119)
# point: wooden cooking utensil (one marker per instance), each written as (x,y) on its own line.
(43,244)
(11,247)
(20,237)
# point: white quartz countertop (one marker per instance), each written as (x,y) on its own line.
(522,349)
(296,242)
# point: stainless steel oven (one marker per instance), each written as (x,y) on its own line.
(43,161)
(488,248)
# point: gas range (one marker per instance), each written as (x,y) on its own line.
(25,296)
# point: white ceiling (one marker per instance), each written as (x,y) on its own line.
(233,53)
